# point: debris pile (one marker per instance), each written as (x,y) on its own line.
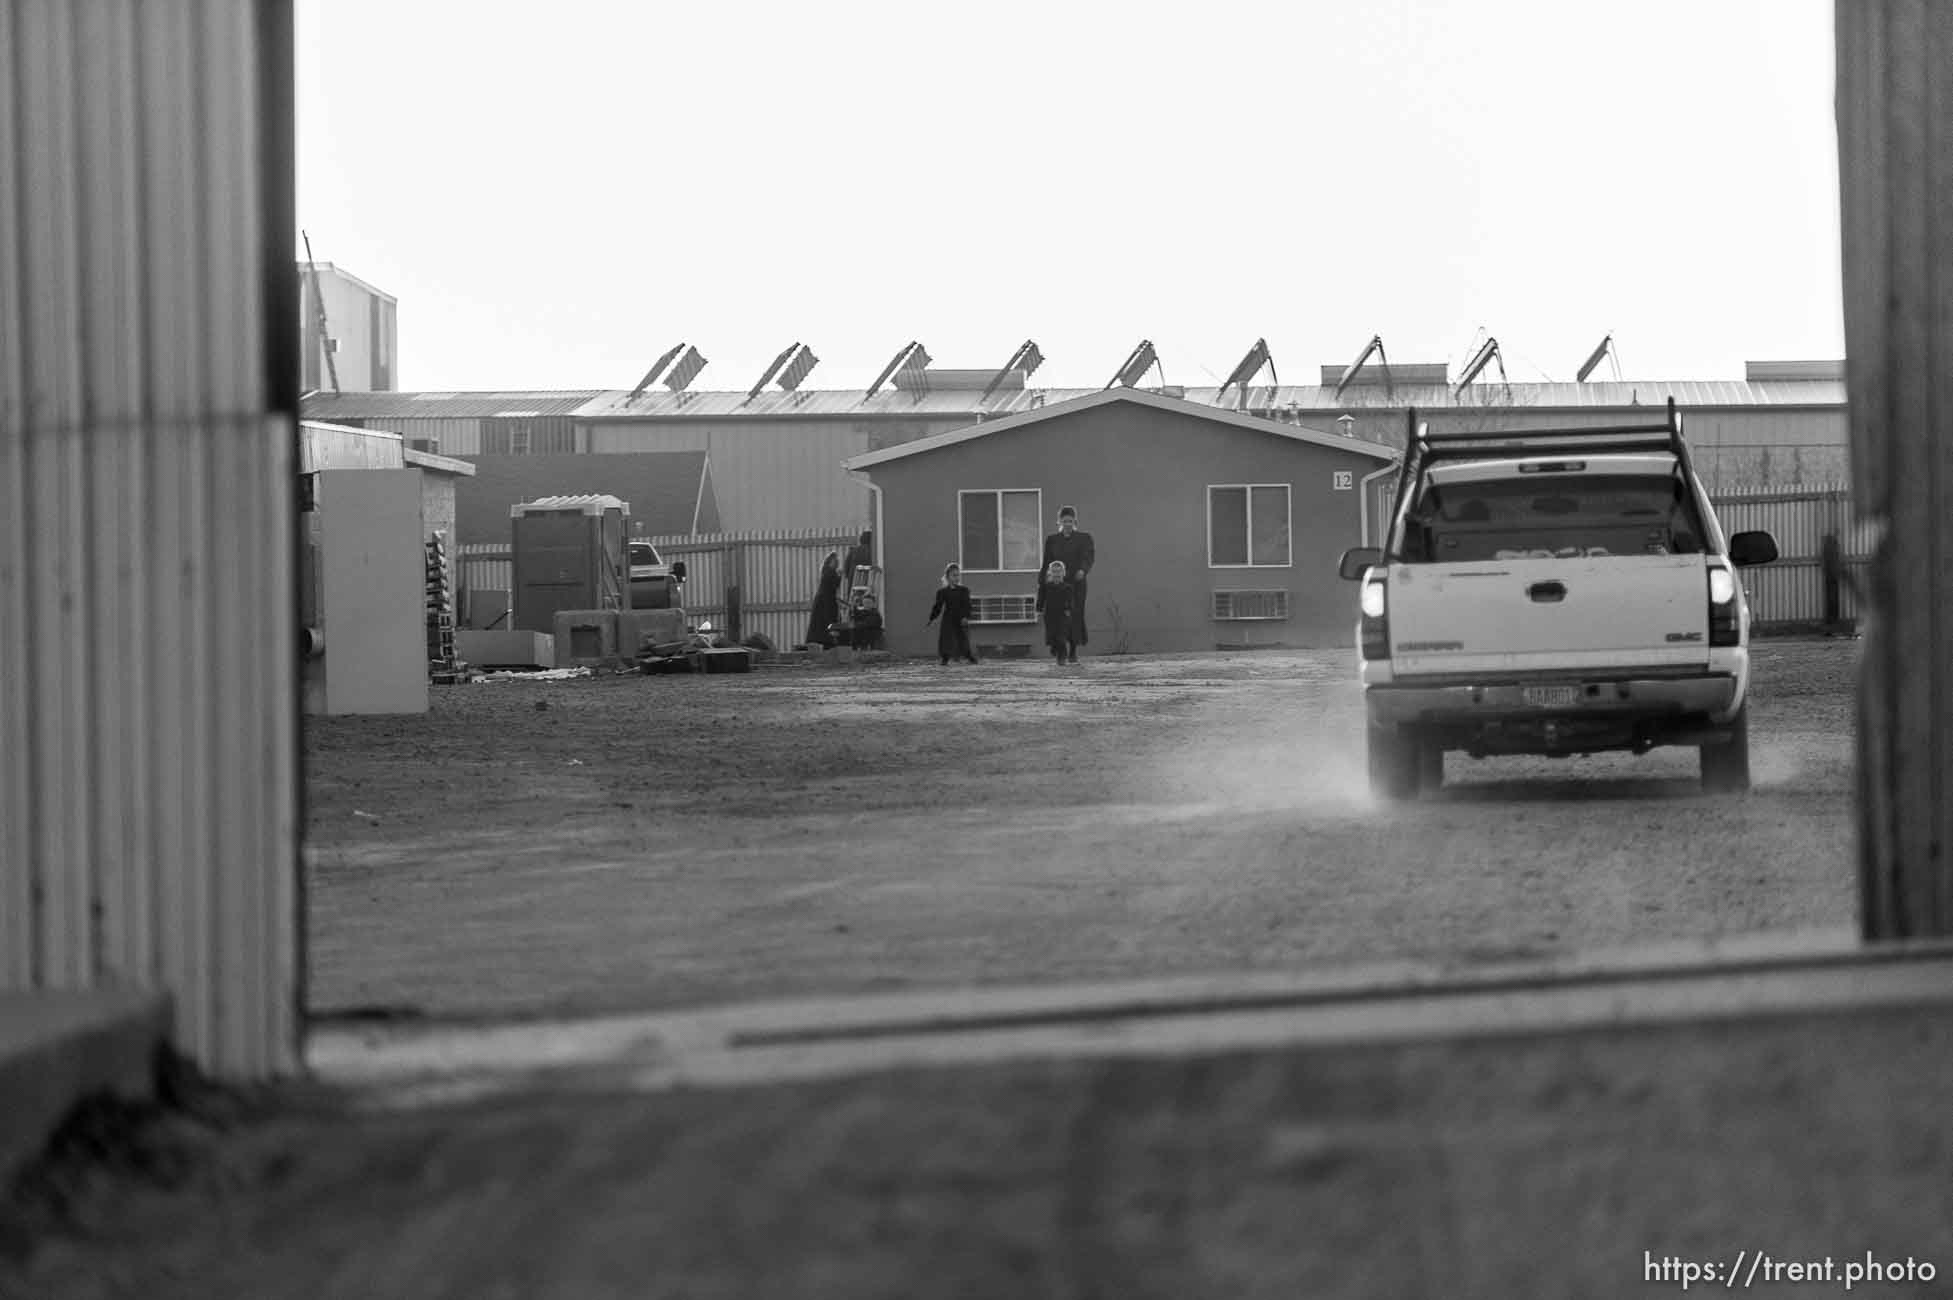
(546,675)
(696,652)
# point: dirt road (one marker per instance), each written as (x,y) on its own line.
(651,842)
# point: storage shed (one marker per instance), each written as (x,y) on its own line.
(1213,528)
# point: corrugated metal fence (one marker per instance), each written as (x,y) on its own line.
(746,583)
(149,772)
(1801,588)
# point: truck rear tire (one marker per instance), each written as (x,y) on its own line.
(1726,766)
(1396,763)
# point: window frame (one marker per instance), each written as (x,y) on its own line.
(1248,524)
(962,561)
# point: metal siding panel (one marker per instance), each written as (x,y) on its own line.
(56,748)
(165,73)
(615,438)
(17,930)
(112,331)
(17,943)
(278,769)
(47,265)
(455,437)
(129,396)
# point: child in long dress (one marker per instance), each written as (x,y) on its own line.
(953,606)
(1055,603)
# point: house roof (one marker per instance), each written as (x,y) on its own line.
(1140,397)
(443,406)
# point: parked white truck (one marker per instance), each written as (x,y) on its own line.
(1553,592)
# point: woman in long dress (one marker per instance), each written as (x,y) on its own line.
(827,602)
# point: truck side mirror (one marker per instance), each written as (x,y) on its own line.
(678,570)
(1756,547)
(1358,562)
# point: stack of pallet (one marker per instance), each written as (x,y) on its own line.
(442,668)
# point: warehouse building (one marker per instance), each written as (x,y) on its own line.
(777,455)
(358,348)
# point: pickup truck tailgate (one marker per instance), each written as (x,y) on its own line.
(1507,616)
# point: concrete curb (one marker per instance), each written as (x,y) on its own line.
(59,1048)
(1743,977)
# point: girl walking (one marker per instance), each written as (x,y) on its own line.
(953,605)
(1056,601)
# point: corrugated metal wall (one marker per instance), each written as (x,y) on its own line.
(777,474)
(776,573)
(1792,590)
(148,717)
(451,437)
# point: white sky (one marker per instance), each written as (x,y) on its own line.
(558,193)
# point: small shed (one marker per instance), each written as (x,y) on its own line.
(1214,529)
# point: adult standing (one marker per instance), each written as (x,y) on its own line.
(1075,550)
(860,555)
(827,602)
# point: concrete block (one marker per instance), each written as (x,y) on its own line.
(635,625)
(57,1049)
(724,661)
(504,648)
(586,638)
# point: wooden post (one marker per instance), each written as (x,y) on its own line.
(1895,156)
(735,615)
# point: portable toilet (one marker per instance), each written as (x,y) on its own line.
(567,553)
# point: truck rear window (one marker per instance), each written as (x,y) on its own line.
(1562,517)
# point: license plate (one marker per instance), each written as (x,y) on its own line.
(1552,697)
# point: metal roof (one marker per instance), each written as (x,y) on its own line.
(1695,394)
(443,406)
(589,504)
(1137,396)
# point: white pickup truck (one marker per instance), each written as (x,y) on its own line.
(1553,592)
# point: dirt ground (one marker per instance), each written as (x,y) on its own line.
(666,842)
(648,842)
(1545,1167)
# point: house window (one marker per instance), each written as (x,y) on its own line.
(1002,530)
(1248,526)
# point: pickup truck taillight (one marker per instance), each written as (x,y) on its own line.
(1723,625)
(1376,620)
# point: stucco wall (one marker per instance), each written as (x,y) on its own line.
(1138,477)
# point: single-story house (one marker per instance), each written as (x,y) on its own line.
(669,492)
(1213,528)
